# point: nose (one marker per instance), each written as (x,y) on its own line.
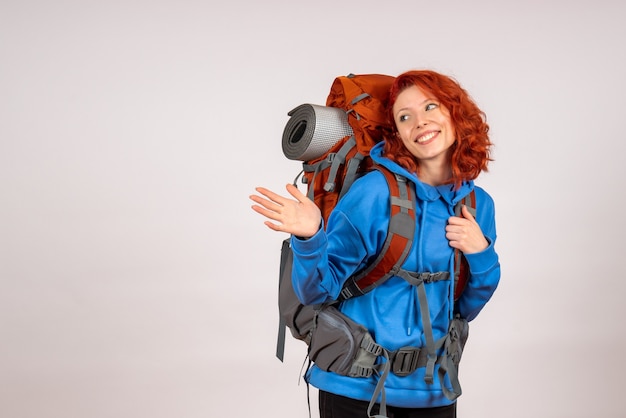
(420,121)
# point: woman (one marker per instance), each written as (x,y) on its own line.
(440,143)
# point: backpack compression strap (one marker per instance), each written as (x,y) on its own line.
(397,244)
(334,161)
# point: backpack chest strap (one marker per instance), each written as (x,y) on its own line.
(416,279)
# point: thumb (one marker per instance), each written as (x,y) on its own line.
(467,214)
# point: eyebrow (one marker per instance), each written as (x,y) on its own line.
(430,99)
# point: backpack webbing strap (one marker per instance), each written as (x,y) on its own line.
(380,390)
(316,169)
(364,361)
(359,98)
(406,360)
(355,101)
(351,172)
(448,367)
(286,258)
(418,281)
(469,201)
(352,90)
(338,160)
(333,160)
(397,243)
(459,261)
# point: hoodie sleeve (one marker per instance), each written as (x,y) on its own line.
(322,263)
(484,266)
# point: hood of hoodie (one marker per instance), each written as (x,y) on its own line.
(424,191)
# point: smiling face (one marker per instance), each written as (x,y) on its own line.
(424,125)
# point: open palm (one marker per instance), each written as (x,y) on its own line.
(299,216)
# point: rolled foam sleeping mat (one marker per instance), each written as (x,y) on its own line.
(312,130)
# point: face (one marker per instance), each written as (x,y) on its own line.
(424,126)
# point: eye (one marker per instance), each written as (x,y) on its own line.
(403,118)
(431,106)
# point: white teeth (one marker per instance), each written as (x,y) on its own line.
(426,137)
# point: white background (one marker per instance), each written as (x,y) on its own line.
(135,280)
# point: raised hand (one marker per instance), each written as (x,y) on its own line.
(464,233)
(299,216)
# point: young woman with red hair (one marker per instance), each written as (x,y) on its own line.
(440,143)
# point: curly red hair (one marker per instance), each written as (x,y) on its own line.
(470,153)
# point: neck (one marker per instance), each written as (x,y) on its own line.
(434,173)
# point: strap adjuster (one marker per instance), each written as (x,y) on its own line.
(404,361)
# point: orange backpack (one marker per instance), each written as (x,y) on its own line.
(356,105)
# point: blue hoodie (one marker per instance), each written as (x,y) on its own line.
(354,235)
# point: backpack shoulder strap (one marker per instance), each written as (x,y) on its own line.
(461,269)
(397,244)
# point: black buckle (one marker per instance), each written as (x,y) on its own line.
(404,361)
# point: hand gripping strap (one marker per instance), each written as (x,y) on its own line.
(397,244)
(461,269)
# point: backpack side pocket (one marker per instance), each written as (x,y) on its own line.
(336,341)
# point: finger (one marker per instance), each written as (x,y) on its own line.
(455,235)
(457,220)
(274,197)
(275,207)
(270,214)
(454,229)
(296,193)
(273,226)
(455,244)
